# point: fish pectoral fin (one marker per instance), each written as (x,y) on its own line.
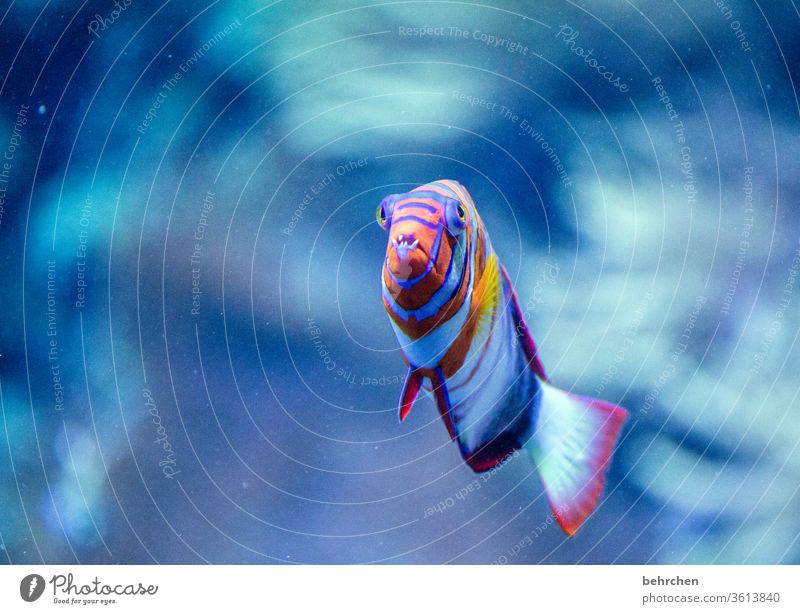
(486,296)
(443,403)
(409,394)
(439,388)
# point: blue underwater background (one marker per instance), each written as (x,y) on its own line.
(195,365)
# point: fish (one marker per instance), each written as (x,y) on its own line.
(466,341)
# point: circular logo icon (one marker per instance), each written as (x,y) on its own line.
(31,587)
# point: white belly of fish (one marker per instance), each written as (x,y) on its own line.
(500,389)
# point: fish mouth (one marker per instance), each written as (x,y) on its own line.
(403,246)
(408,261)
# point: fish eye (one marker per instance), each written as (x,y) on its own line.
(383,214)
(455,217)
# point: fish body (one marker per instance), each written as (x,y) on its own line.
(455,313)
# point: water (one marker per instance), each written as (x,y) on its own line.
(196,365)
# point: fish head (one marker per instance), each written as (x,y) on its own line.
(426,228)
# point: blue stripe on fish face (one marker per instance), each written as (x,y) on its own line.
(458,262)
(430,208)
(418,220)
(433,195)
(431,308)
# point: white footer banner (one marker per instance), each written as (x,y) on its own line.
(137,588)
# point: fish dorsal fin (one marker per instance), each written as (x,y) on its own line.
(410,391)
(522,330)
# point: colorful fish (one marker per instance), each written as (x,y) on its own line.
(460,327)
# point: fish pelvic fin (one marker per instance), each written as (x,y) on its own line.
(572,446)
(409,393)
(411,389)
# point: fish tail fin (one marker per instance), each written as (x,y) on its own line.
(572,446)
